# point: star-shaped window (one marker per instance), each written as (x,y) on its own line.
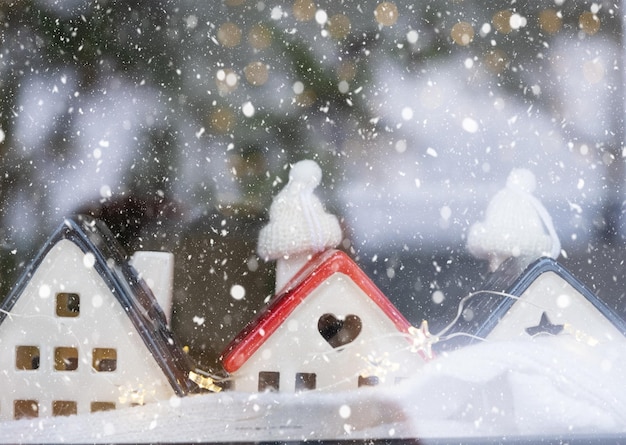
(545,326)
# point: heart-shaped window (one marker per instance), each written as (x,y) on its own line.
(339,331)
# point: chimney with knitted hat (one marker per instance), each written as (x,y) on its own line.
(299,226)
(516,224)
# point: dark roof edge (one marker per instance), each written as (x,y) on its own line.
(93,236)
(546,264)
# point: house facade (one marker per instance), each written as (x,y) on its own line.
(82,333)
(523,299)
(331,329)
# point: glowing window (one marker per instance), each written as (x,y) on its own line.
(68,305)
(104,359)
(102,406)
(27,357)
(64,408)
(65,359)
(23,409)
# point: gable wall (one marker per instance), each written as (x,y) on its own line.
(563,304)
(101,323)
(297,346)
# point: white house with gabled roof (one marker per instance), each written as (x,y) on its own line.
(329,327)
(82,332)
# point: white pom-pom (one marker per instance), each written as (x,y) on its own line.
(306,172)
(521,179)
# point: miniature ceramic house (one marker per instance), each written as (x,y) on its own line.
(81,332)
(522,300)
(330,329)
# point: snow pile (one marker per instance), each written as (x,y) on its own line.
(547,386)
(550,386)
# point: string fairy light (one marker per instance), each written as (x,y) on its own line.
(205,381)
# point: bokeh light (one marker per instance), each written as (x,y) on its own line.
(386,13)
(229,34)
(222,120)
(502,21)
(462,33)
(339,26)
(495,60)
(346,70)
(256,73)
(304,10)
(589,23)
(259,37)
(550,21)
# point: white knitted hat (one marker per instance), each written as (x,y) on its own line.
(298,222)
(515,224)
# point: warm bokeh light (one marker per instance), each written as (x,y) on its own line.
(346,71)
(256,73)
(222,120)
(229,34)
(496,60)
(259,37)
(462,33)
(339,26)
(304,10)
(550,21)
(502,21)
(589,23)
(386,13)
(306,98)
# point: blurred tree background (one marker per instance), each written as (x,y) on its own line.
(176,121)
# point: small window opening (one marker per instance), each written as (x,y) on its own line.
(104,359)
(305,381)
(65,359)
(27,357)
(24,409)
(68,304)
(64,408)
(102,406)
(269,381)
(371,380)
(339,332)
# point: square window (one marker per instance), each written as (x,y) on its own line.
(27,357)
(305,381)
(65,359)
(102,406)
(23,409)
(63,408)
(269,381)
(104,359)
(68,304)
(371,380)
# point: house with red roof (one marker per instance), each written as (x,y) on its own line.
(329,329)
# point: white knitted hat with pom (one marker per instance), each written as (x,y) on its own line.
(515,224)
(298,222)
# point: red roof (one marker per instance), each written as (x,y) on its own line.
(314,273)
